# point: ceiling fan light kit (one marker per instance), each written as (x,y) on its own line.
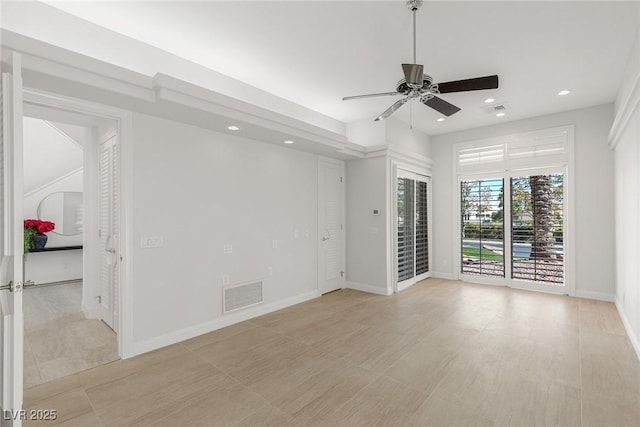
(417,85)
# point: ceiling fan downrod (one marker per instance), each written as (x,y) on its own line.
(413,6)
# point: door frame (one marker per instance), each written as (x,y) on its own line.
(124,121)
(396,167)
(569,255)
(342,240)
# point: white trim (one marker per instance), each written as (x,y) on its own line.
(125,124)
(56,180)
(145,346)
(506,170)
(441,275)
(635,342)
(600,296)
(624,114)
(369,289)
(91,312)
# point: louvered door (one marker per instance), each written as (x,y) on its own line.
(108,232)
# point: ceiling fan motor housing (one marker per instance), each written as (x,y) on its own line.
(427,85)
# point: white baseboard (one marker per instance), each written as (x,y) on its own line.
(440,275)
(91,312)
(221,322)
(601,296)
(368,288)
(635,340)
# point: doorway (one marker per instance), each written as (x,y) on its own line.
(512,228)
(70,314)
(412,205)
(331,236)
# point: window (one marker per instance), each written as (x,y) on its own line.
(513,209)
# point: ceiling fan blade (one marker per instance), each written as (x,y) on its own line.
(413,74)
(371,95)
(441,106)
(389,111)
(478,83)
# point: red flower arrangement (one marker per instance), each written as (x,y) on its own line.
(33,227)
(40,226)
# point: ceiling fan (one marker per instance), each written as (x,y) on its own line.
(417,85)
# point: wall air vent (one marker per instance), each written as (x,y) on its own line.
(240,296)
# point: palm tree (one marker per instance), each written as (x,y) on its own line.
(543,245)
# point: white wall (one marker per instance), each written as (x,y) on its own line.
(594,239)
(626,143)
(367,233)
(402,137)
(200,190)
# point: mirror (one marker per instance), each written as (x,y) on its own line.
(64,208)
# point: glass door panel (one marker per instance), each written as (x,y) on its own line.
(537,228)
(406,222)
(482,226)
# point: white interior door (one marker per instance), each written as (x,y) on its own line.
(330,225)
(109,249)
(11,242)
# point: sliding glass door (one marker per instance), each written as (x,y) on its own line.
(482,225)
(412,248)
(537,228)
(512,229)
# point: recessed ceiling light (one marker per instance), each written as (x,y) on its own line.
(500,114)
(233,127)
(288,141)
(441,119)
(489,100)
(564,92)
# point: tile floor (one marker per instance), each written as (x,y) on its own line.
(58,339)
(441,353)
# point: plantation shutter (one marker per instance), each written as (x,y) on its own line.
(422,228)
(405,228)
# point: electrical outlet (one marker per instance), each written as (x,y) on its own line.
(228,248)
(306,233)
(225,279)
(269,271)
(274,244)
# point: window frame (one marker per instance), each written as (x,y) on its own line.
(506,169)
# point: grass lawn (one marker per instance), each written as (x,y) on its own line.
(469,252)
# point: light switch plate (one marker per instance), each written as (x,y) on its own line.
(151,242)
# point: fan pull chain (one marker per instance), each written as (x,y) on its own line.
(411,115)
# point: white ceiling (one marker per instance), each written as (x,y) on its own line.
(315,52)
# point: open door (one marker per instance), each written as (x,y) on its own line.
(11,244)
(109,229)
